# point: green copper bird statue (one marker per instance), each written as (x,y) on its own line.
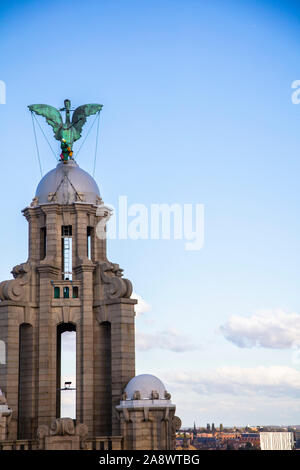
(66,132)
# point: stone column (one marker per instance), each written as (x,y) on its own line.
(148,424)
(85,349)
(121,314)
(47,333)
(10,314)
(33,216)
(80,235)
(53,226)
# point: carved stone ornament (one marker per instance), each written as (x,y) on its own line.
(81,430)
(35,202)
(52,197)
(136,395)
(3,400)
(175,426)
(42,432)
(15,289)
(154,395)
(114,286)
(167,395)
(124,396)
(126,415)
(62,427)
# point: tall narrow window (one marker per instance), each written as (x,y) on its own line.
(66,292)
(66,370)
(56,292)
(66,244)
(43,242)
(75,292)
(89,242)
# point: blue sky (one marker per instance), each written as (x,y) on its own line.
(197,109)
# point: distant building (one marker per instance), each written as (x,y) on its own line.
(276,440)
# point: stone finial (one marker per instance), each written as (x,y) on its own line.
(80,197)
(35,202)
(167,395)
(154,395)
(51,197)
(3,400)
(136,395)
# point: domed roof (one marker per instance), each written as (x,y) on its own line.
(67,183)
(145,384)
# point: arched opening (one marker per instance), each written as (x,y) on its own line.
(25,396)
(66,371)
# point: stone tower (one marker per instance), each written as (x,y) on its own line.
(67,284)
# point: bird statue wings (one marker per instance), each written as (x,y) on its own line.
(68,131)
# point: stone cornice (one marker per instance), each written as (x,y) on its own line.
(17,303)
(122,300)
(51,208)
(83,268)
(48,269)
(81,207)
(32,212)
(66,302)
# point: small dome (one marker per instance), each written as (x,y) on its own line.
(67,183)
(145,384)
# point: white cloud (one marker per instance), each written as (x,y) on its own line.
(266,328)
(170,339)
(271,381)
(142,306)
(235,410)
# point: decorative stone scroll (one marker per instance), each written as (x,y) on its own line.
(62,429)
(15,289)
(114,286)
